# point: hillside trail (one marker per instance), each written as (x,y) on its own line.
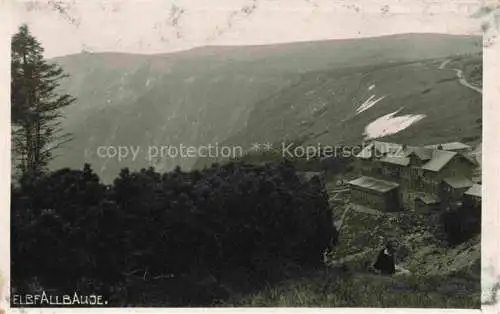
(347,258)
(400,272)
(464,82)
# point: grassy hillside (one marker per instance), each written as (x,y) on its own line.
(472,66)
(326,288)
(325,103)
(242,94)
(321,107)
(435,275)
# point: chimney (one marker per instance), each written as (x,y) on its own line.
(403,148)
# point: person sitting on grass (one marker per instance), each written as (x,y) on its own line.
(385,263)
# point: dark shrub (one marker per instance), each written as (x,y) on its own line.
(70,230)
(461,224)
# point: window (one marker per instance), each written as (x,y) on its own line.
(414,171)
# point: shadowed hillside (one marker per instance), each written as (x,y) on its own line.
(241,94)
(334,106)
(136,210)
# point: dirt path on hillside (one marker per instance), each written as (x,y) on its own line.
(460,76)
(351,257)
(338,224)
(444,64)
(367,210)
(335,195)
(464,82)
(400,270)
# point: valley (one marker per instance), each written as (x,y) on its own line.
(310,92)
(262,228)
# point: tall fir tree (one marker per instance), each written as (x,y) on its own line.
(35,104)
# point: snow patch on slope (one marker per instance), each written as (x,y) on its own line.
(367,104)
(390,124)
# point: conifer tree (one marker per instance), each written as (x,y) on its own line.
(35,104)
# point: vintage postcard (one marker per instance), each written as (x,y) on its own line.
(250,153)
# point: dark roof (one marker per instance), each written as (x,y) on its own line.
(439,159)
(422,153)
(470,157)
(427,198)
(475,190)
(382,148)
(374,184)
(458,182)
(396,160)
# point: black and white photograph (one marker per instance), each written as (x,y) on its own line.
(247,153)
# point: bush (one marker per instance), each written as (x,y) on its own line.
(461,224)
(183,226)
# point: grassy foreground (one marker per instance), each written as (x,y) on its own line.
(328,288)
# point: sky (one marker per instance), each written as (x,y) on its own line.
(154,26)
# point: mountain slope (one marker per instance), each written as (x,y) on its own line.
(337,106)
(238,95)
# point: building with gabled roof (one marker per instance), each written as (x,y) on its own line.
(374,192)
(396,160)
(374,184)
(423,178)
(474,191)
(453,189)
(424,154)
(472,196)
(438,160)
(458,182)
(453,147)
(379,149)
